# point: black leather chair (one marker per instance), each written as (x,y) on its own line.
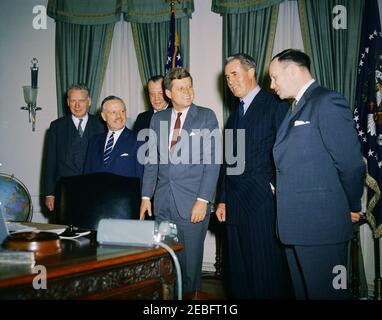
(82,201)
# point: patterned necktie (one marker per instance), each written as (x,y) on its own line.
(108,149)
(293,106)
(80,130)
(175,134)
(241,109)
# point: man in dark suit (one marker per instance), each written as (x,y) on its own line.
(180,174)
(257,264)
(320,179)
(67,140)
(114,151)
(158,102)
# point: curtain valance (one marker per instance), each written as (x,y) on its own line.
(94,12)
(241,6)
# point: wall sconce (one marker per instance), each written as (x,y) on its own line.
(30,95)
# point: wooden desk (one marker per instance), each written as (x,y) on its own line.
(89,271)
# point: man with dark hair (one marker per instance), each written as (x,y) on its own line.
(114,151)
(67,140)
(320,178)
(257,264)
(158,102)
(182,190)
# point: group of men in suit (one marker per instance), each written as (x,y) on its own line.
(288,214)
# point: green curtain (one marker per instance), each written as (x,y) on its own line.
(84,32)
(81,57)
(152,11)
(333,52)
(151,41)
(241,6)
(248,27)
(85,12)
(151,31)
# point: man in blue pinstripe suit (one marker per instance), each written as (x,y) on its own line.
(257,262)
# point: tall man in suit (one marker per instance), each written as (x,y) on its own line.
(180,174)
(158,102)
(68,139)
(320,178)
(114,151)
(257,262)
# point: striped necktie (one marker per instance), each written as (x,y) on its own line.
(80,130)
(108,149)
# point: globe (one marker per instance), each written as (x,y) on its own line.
(15,201)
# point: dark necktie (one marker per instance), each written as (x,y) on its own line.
(175,134)
(241,109)
(108,149)
(80,130)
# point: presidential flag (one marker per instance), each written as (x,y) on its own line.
(368,110)
(174,58)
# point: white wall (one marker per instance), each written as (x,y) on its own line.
(206,70)
(21,149)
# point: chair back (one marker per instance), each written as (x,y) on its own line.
(84,200)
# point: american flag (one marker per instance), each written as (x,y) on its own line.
(174,58)
(368,110)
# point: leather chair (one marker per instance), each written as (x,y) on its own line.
(82,201)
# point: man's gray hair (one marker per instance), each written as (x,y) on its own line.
(246,60)
(79,86)
(109,98)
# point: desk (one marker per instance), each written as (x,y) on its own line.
(89,271)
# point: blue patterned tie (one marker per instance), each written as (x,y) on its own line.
(241,109)
(80,130)
(108,149)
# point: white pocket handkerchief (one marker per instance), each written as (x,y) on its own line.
(192,134)
(300,123)
(124,155)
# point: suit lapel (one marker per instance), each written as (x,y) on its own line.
(290,117)
(68,130)
(115,153)
(190,119)
(249,115)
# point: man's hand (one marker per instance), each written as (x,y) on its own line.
(145,206)
(220,212)
(198,211)
(49,202)
(356,216)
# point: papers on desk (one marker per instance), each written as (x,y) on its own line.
(61,230)
(18,227)
(14,227)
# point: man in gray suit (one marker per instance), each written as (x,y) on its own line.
(319,179)
(180,174)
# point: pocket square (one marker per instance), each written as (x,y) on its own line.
(300,123)
(124,155)
(192,133)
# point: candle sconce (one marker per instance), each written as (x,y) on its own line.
(30,95)
(30,98)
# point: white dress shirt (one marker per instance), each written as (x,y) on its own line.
(76,121)
(116,136)
(302,90)
(174,115)
(249,98)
